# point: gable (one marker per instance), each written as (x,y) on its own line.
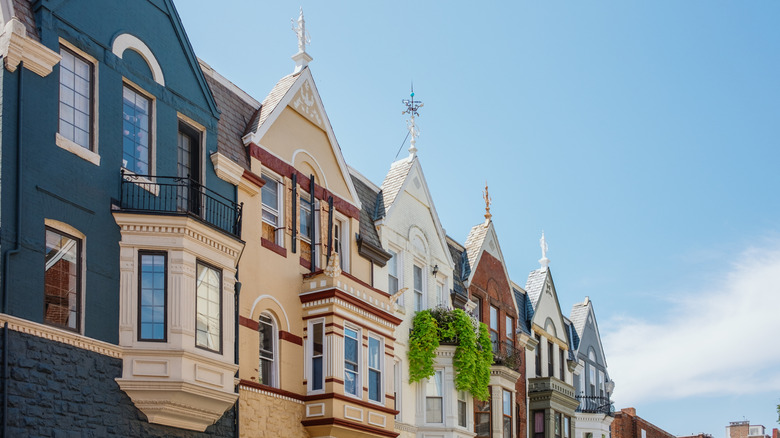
(293,126)
(591,338)
(96,24)
(548,309)
(489,275)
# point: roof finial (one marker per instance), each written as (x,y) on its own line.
(544,261)
(411,108)
(488,200)
(301,58)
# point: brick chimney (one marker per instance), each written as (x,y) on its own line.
(775,433)
(629,411)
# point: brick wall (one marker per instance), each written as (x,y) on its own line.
(738,429)
(628,425)
(59,390)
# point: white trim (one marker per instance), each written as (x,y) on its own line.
(307,367)
(261,297)
(275,377)
(126,41)
(382,371)
(280,191)
(316,163)
(61,335)
(77,149)
(360,375)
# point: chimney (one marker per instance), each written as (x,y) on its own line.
(629,411)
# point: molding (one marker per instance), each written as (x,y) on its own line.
(376,254)
(62,336)
(227,169)
(355,304)
(251,183)
(403,427)
(126,41)
(250,386)
(339,423)
(17,47)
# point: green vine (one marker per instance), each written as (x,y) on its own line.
(473,354)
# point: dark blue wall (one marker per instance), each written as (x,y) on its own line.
(59,185)
(57,390)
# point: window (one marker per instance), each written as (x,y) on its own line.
(592,381)
(561,362)
(441,297)
(76,101)
(507,413)
(62,280)
(339,239)
(462,420)
(188,168)
(482,418)
(510,335)
(351,364)
(208,308)
(267,332)
(418,289)
(272,207)
(558,427)
(398,373)
(375,355)
(567,427)
(538,424)
(317,339)
(478,308)
(601,383)
(494,327)
(152,297)
(306,227)
(434,408)
(136,142)
(644,433)
(538,355)
(550,359)
(392,276)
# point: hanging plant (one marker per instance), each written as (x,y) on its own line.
(473,354)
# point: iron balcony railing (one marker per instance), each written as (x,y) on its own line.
(179,196)
(594,404)
(507,355)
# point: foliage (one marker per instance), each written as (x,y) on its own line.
(473,354)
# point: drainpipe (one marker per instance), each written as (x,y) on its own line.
(14,251)
(235,345)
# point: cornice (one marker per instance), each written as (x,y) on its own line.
(17,47)
(61,336)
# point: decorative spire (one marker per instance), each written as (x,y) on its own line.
(544,261)
(301,58)
(411,108)
(488,200)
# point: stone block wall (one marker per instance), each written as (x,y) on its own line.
(57,390)
(266,415)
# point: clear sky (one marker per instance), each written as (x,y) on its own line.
(642,137)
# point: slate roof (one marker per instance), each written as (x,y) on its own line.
(236,113)
(394,180)
(578,316)
(526,311)
(23,12)
(535,284)
(475,240)
(271,101)
(368,198)
(461,268)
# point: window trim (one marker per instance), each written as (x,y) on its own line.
(90,154)
(152,129)
(399,271)
(70,232)
(440,373)
(343,221)
(278,227)
(380,370)
(489,411)
(495,341)
(550,359)
(142,253)
(359,349)
(221,306)
(504,416)
(464,400)
(421,293)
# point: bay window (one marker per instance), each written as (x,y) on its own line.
(352,381)
(208,308)
(482,418)
(507,413)
(317,342)
(375,355)
(434,406)
(152,297)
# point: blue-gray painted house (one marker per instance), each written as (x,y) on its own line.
(119,241)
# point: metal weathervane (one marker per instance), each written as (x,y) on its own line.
(411,108)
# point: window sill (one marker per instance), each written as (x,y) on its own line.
(78,150)
(273,247)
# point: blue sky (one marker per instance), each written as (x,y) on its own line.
(642,137)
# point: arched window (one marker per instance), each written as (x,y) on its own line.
(268,351)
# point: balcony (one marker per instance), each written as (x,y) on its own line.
(551,393)
(507,355)
(178,196)
(593,404)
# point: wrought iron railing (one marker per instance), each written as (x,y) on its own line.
(507,355)
(594,404)
(179,196)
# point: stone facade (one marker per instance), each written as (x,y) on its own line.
(267,415)
(56,390)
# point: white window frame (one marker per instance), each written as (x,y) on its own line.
(399,271)
(440,294)
(310,356)
(90,154)
(274,383)
(419,296)
(221,338)
(380,370)
(463,398)
(278,228)
(398,388)
(359,373)
(439,373)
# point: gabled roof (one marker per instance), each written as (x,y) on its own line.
(367,193)
(581,311)
(535,285)
(394,180)
(237,109)
(279,98)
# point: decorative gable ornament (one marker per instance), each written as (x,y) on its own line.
(306,105)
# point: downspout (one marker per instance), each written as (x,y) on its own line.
(236,295)
(14,251)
